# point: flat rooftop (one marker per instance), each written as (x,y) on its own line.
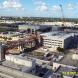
(21,57)
(57,35)
(10,34)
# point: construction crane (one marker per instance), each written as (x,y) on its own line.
(63,23)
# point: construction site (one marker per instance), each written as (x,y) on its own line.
(17,44)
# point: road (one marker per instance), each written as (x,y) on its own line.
(12,73)
(3,75)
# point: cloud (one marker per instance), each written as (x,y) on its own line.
(70,6)
(40,5)
(42,8)
(12,4)
(0,6)
(76,5)
(56,8)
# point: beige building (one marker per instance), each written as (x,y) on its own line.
(53,40)
(10,36)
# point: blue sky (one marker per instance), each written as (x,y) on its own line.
(39,8)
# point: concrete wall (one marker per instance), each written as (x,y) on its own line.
(68,42)
(25,27)
(19,61)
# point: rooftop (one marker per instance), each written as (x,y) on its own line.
(22,57)
(10,34)
(57,35)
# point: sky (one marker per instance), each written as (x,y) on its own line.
(39,8)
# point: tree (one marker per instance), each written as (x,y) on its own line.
(9,38)
(28,30)
(60,49)
(5,38)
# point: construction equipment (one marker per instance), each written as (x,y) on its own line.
(63,23)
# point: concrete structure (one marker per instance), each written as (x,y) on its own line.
(10,36)
(8,27)
(34,27)
(25,27)
(7,21)
(55,28)
(25,61)
(2,52)
(21,60)
(11,21)
(53,40)
(68,24)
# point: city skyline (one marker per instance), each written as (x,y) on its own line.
(39,8)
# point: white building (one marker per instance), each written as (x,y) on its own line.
(53,40)
(25,27)
(19,60)
(68,24)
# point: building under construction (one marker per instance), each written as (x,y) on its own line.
(29,41)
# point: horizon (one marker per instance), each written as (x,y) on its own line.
(39,17)
(39,8)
